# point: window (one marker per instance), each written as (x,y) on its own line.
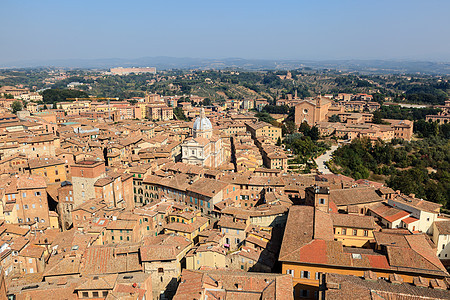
(290,272)
(304,293)
(24,195)
(85,294)
(94,294)
(37,193)
(105,293)
(366,233)
(160,270)
(25,206)
(355,232)
(321,201)
(317,277)
(344,231)
(305,274)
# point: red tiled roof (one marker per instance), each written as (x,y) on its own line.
(315,252)
(409,220)
(378,261)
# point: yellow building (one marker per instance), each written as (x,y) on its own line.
(263,129)
(53,169)
(187,223)
(353,230)
(309,249)
(209,255)
(53,217)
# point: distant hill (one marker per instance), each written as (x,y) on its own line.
(166,63)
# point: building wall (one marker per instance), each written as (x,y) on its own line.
(233,237)
(31,204)
(206,258)
(312,284)
(52,174)
(83,180)
(83,189)
(349,239)
(65,206)
(442,242)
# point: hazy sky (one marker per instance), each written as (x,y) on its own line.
(314,29)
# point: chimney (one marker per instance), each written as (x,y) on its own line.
(369,275)
(395,278)
(438,284)
(421,282)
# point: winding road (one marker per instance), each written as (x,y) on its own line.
(321,160)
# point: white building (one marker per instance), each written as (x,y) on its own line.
(203,148)
(441,238)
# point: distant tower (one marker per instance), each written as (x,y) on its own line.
(202,126)
(295,96)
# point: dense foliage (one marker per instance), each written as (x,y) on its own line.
(420,167)
(401,113)
(179,114)
(56,95)
(426,94)
(16,106)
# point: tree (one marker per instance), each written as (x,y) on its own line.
(314,133)
(290,127)
(179,114)
(264,117)
(334,119)
(57,95)
(16,106)
(278,141)
(304,128)
(207,102)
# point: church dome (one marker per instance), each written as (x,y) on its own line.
(202,123)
